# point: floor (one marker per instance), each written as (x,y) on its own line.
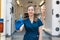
(19,36)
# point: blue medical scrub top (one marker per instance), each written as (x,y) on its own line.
(32,29)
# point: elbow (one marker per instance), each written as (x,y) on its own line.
(21,28)
(18,30)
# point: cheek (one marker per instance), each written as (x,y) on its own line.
(33,12)
(30,12)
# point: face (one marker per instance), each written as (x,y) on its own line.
(31,11)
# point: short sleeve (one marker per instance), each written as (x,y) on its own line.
(39,23)
(18,24)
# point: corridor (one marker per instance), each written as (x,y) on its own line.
(12,10)
(19,36)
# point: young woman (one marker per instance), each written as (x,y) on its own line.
(32,25)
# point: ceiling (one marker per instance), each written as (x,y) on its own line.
(27,2)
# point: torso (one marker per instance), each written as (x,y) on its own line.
(31,29)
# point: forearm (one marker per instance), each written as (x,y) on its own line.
(21,28)
(40,33)
(40,36)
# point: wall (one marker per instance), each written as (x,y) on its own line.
(17,10)
(48,13)
(21,10)
(3,15)
(0,8)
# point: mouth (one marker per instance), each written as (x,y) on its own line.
(30,13)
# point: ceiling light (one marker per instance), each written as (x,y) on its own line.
(41,3)
(18,2)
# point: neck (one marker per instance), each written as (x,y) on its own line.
(31,17)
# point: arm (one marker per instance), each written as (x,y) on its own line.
(40,33)
(21,28)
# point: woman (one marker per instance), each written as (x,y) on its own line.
(32,25)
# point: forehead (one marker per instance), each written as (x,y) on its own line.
(31,7)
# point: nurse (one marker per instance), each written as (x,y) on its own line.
(32,25)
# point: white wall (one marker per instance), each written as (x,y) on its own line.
(3,15)
(55,19)
(52,20)
(48,13)
(8,16)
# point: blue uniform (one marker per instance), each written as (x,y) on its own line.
(32,29)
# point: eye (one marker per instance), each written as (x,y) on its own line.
(32,9)
(28,9)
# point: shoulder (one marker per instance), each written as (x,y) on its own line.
(40,22)
(38,19)
(25,20)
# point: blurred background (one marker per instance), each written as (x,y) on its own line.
(12,10)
